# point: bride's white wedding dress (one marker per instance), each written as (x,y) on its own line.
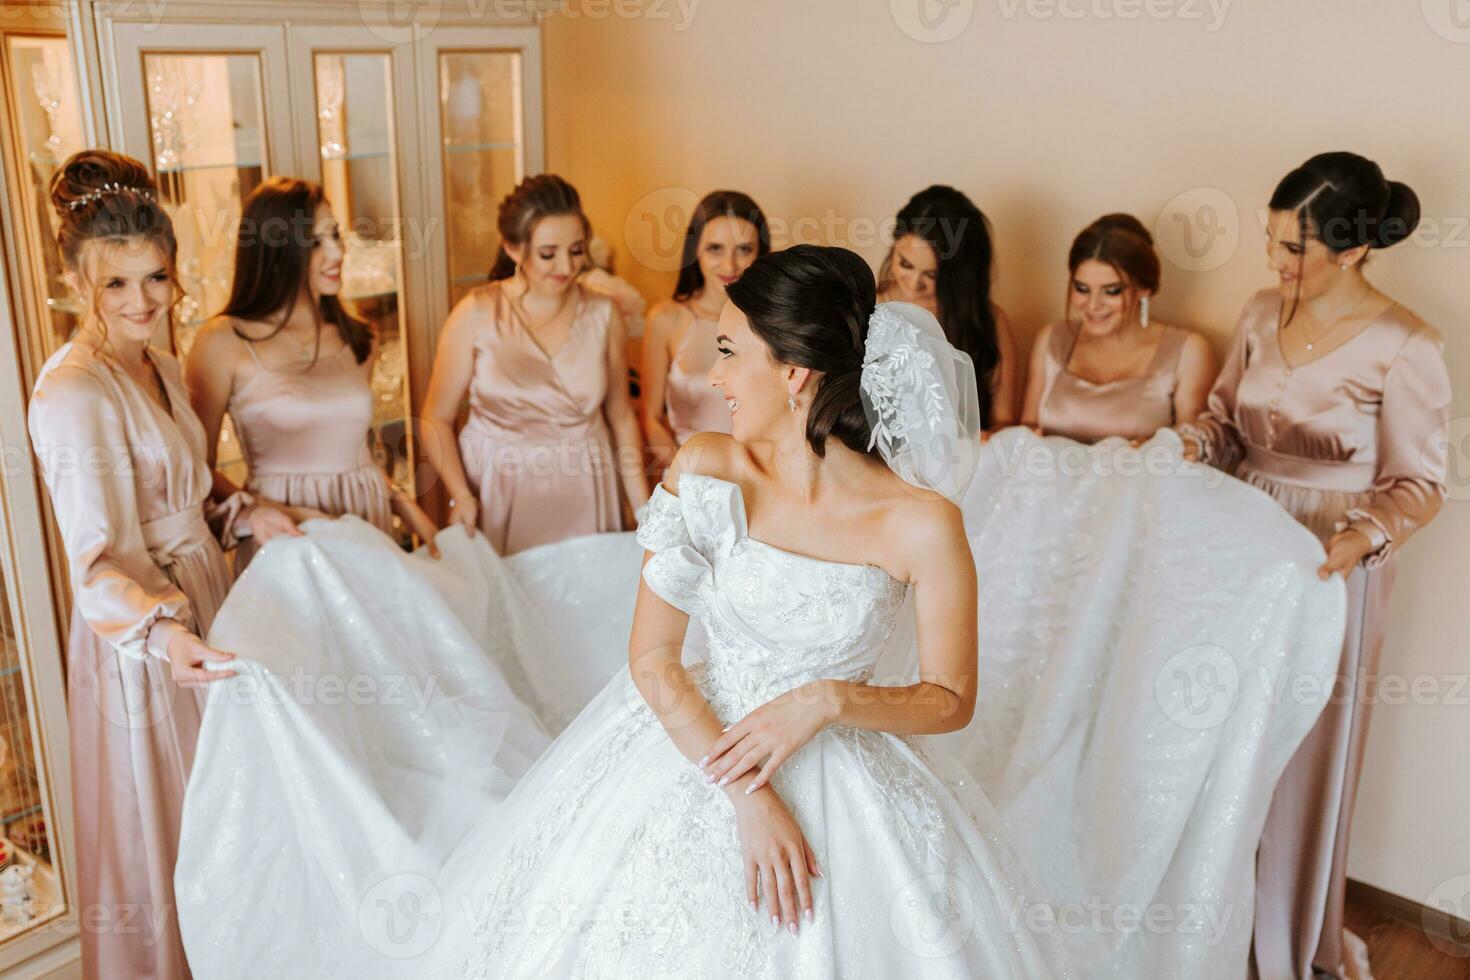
(614,858)
(331,835)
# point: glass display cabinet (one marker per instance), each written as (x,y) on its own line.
(416,128)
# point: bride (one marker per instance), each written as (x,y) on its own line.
(832,857)
(835,844)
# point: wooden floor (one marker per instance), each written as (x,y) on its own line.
(1402,952)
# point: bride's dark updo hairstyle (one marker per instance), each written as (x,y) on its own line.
(810,305)
(1343,200)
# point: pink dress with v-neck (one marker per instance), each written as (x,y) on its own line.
(536,448)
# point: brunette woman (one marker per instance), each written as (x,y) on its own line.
(293,367)
(1109,368)
(1334,400)
(542,359)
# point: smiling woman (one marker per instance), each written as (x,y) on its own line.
(123,456)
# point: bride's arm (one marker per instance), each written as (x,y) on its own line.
(942,573)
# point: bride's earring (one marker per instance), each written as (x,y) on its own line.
(791,402)
(1143,312)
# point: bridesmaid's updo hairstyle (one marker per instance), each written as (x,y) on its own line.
(1121,241)
(273,263)
(101,196)
(1344,201)
(716,204)
(541,196)
(810,305)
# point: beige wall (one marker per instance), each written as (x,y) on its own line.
(832,112)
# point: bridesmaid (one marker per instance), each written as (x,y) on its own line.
(1333,400)
(941,259)
(726,232)
(535,350)
(1108,369)
(293,368)
(123,456)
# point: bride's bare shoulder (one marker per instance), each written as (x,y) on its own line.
(709,454)
(923,528)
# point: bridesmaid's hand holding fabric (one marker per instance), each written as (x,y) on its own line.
(1345,550)
(465,511)
(187,655)
(775,732)
(268,521)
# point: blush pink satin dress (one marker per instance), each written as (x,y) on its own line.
(692,403)
(1356,438)
(536,447)
(130,487)
(304,433)
(1134,408)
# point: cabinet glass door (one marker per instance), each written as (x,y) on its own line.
(46,114)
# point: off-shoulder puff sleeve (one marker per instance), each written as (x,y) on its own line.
(676,571)
(1413,448)
(82,446)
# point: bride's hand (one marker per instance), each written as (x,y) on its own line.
(775,731)
(267,521)
(775,851)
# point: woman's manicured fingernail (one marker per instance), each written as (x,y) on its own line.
(776,922)
(749,789)
(753,907)
(808,915)
(703,761)
(724,780)
(791,927)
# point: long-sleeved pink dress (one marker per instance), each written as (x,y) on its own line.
(129,485)
(537,449)
(1355,438)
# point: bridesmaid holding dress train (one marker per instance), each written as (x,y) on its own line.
(726,233)
(123,456)
(942,259)
(551,429)
(1334,400)
(293,368)
(1108,368)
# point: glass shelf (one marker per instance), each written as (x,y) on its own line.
(480,109)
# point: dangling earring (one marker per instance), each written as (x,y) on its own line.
(791,402)
(1143,312)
